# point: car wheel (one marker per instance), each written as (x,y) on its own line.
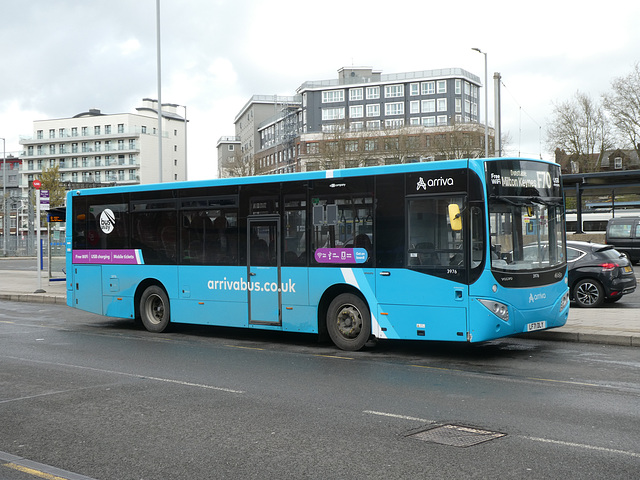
(588,293)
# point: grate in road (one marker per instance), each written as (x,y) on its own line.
(456,435)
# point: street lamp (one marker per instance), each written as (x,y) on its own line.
(486,105)
(4,196)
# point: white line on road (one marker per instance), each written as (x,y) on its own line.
(134,375)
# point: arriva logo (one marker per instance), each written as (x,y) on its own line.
(434,182)
(537,296)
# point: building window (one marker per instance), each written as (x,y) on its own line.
(85,131)
(369,145)
(373,93)
(143,129)
(39,135)
(333,113)
(458,105)
(351,146)
(442,86)
(428,106)
(415,121)
(429,121)
(231,147)
(355,94)
(373,110)
(52,133)
(107,129)
(394,123)
(414,106)
(356,126)
(428,88)
(356,111)
(132,144)
(373,125)
(52,149)
(96,130)
(132,174)
(393,91)
(85,161)
(442,119)
(312,148)
(458,86)
(414,89)
(442,104)
(121,128)
(617,162)
(396,108)
(332,96)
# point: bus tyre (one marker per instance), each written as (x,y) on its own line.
(154,309)
(349,322)
(588,293)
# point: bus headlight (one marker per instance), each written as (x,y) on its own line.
(497,308)
(564,301)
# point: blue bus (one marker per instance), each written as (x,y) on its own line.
(448,250)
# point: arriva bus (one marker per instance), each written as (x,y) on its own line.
(447,250)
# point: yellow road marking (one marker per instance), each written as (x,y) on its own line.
(31,471)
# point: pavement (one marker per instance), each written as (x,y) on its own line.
(614,324)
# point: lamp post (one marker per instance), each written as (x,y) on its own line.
(486,105)
(4,196)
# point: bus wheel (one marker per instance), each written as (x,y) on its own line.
(154,309)
(349,322)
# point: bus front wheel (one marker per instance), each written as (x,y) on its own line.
(154,309)
(349,322)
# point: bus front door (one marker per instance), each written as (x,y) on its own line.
(263,271)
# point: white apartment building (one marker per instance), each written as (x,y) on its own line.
(106,149)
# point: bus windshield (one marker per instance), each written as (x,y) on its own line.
(526,235)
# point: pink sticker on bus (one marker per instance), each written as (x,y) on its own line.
(108,257)
(341,255)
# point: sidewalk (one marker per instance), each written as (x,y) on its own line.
(612,325)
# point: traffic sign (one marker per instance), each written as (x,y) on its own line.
(37,184)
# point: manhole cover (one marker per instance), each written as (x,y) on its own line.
(456,435)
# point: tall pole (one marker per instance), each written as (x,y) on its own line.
(496,107)
(159,91)
(486,105)
(185,143)
(4,197)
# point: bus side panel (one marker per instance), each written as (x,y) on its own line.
(86,291)
(419,306)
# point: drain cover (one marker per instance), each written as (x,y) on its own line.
(456,435)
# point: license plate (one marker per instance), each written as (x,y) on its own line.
(627,269)
(536,326)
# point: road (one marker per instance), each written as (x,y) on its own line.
(103,399)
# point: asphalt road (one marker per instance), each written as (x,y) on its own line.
(98,397)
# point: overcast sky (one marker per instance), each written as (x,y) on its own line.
(62,57)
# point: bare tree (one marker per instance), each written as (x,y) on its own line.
(580,129)
(240,166)
(623,105)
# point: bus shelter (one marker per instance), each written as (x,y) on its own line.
(601,192)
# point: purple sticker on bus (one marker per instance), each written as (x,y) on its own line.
(108,257)
(341,255)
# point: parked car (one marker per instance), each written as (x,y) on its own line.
(624,234)
(598,273)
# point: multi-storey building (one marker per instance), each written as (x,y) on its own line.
(258,110)
(367,118)
(97,148)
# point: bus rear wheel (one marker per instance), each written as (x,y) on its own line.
(349,322)
(154,309)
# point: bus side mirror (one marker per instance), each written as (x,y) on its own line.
(455,219)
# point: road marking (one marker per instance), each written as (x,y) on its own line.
(534,439)
(245,348)
(31,471)
(133,375)
(333,356)
(564,381)
(395,415)
(582,445)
